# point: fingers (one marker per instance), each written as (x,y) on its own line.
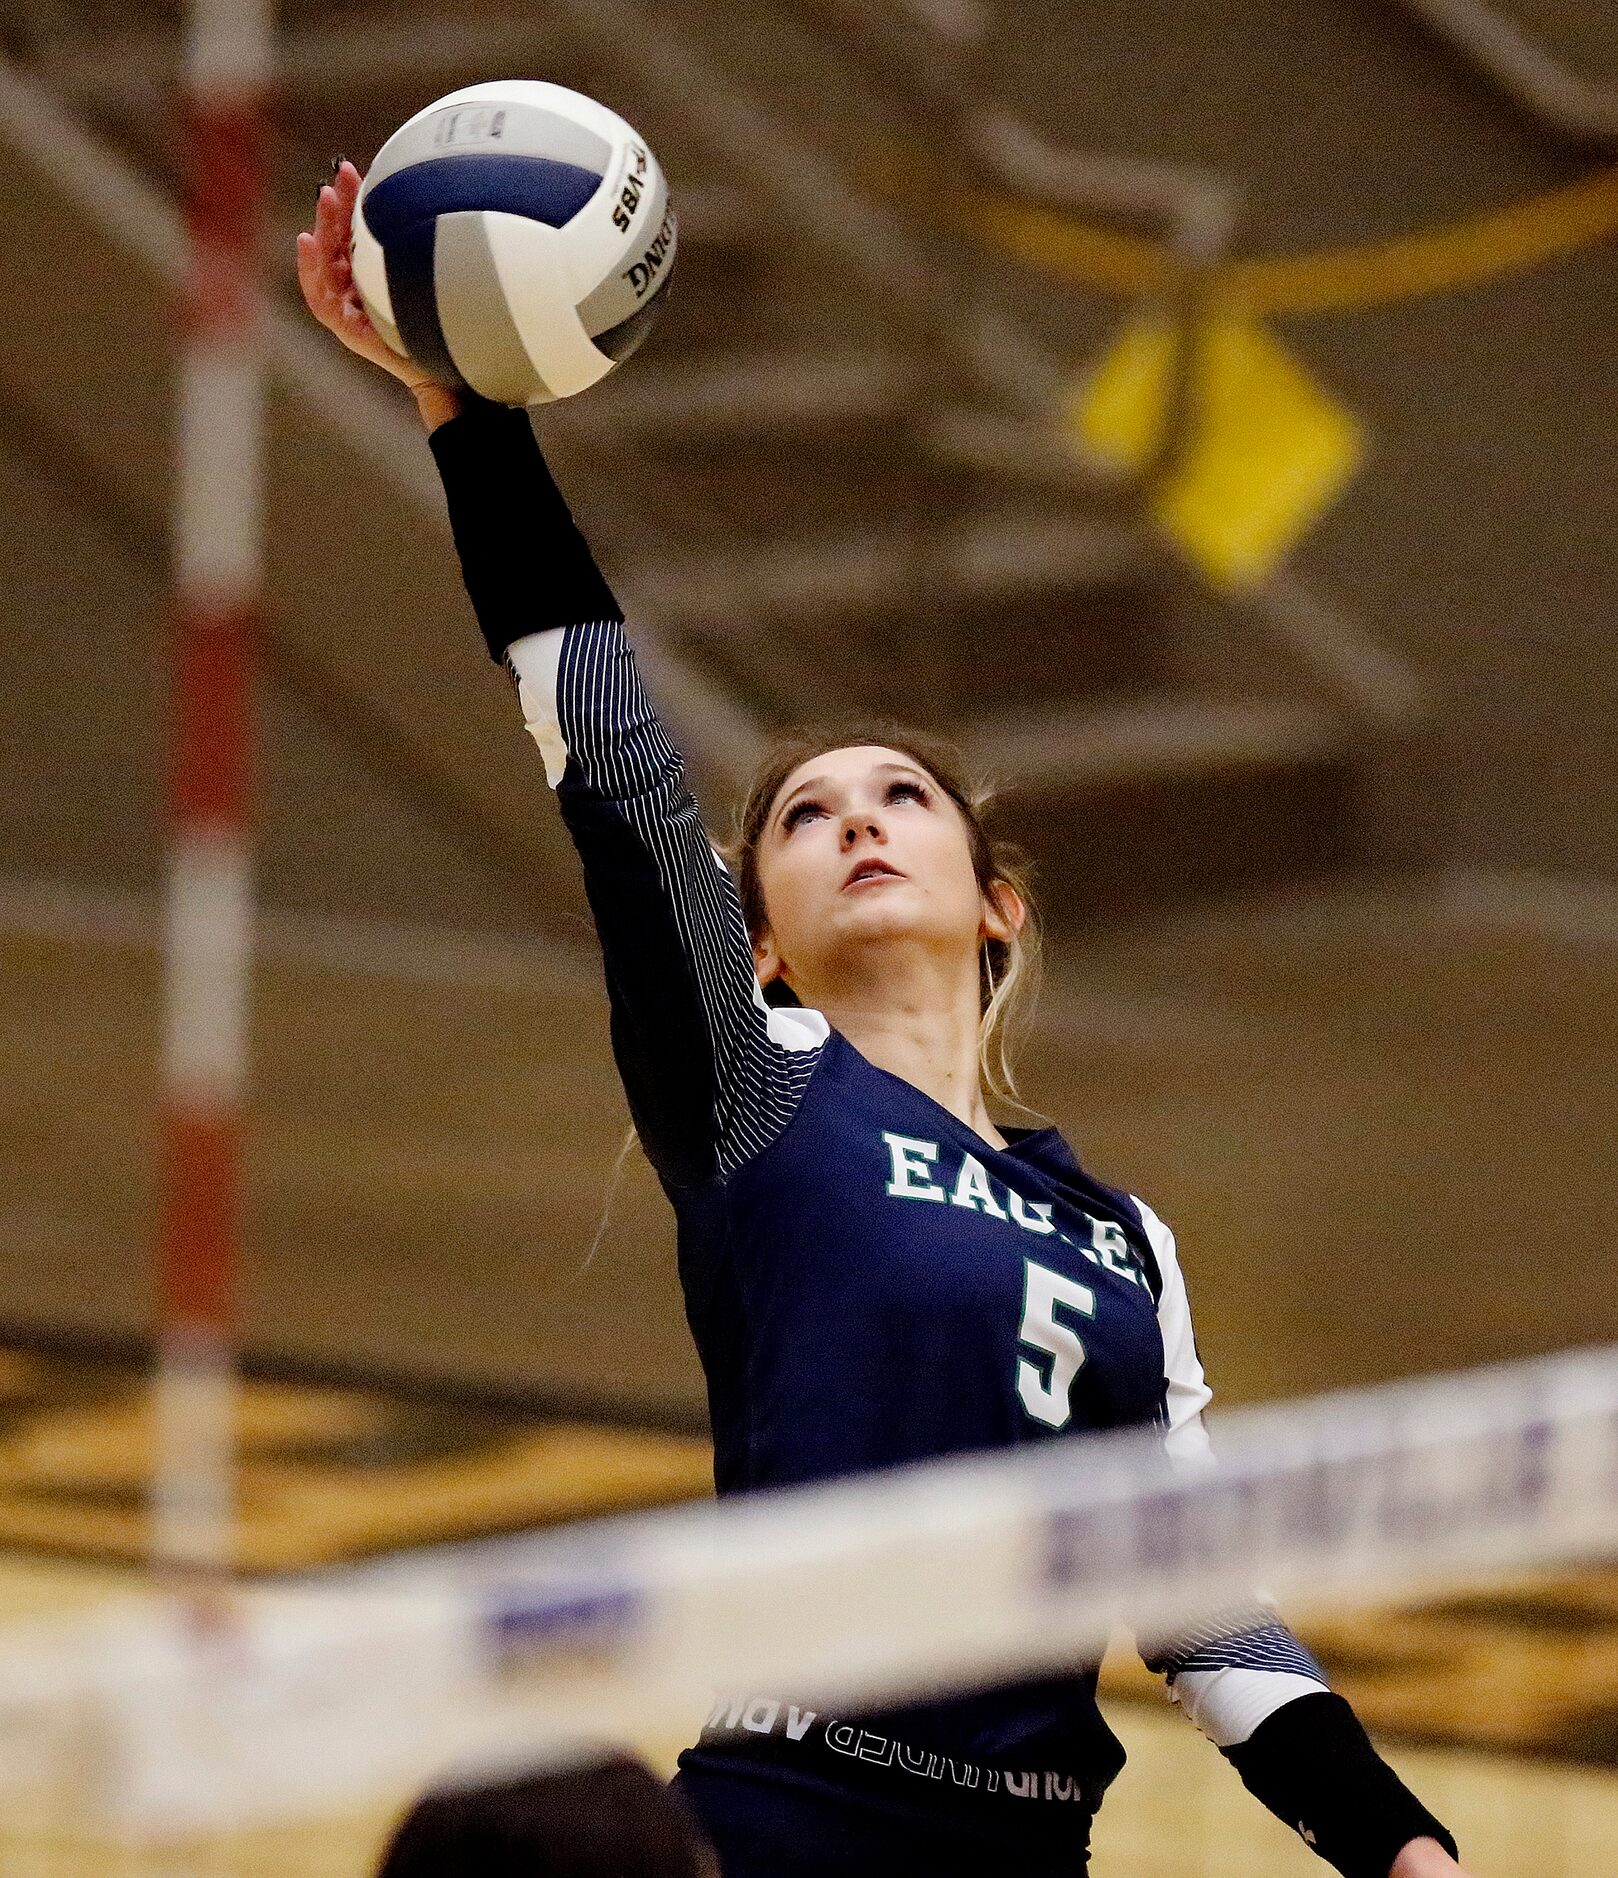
(326,276)
(334,224)
(324,270)
(327,282)
(331,226)
(320,285)
(308,272)
(313,281)
(337,199)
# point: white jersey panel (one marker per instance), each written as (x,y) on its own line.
(1188,1392)
(535,662)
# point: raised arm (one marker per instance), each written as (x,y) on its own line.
(711,1074)
(1260,1696)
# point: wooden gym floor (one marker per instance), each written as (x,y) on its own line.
(328,1473)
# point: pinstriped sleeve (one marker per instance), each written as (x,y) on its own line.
(711,1074)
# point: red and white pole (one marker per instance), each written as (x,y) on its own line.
(218,560)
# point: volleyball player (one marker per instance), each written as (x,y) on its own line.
(874,1271)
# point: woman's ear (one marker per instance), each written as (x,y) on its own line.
(766,959)
(1004,912)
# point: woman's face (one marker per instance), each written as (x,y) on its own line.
(861,848)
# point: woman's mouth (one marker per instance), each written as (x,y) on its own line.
(868,870)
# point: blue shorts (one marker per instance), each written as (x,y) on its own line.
(773,1828)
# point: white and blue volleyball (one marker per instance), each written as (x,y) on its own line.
(515,238)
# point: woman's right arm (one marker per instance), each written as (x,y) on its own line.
(712,1075)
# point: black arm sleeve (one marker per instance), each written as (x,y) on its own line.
(712,1076)
(525,564)
(1314,1767)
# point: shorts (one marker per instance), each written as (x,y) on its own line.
(775,1828)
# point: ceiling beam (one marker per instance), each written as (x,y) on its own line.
(316,61)
(1065,752)
(750,392)
(1574,105)
(96,920)
(961,564)
(1380,690)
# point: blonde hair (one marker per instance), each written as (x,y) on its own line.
(1008,969)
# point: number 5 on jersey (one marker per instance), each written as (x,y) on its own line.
(1045,1293)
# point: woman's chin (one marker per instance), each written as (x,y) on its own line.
(887,916)
(887,908)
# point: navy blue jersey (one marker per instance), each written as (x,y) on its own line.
(880,1285)
(869,1281)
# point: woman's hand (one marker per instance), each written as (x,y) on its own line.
(1425,1858)
(327,278)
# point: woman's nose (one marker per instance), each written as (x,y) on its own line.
(861,823)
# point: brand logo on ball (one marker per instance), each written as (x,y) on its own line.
(623,210)
(478,125)
(644,271)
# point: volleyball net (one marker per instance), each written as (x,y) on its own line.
(260,1708)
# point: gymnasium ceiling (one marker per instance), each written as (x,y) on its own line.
(1343,846)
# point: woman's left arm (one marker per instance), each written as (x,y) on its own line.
(1261,1697)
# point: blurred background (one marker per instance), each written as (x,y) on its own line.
(1203,413)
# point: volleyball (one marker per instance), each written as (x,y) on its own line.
(515,238)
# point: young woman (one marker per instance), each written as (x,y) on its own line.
(874,1271)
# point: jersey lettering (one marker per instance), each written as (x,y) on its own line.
(1112,1249)
(911,1163)
(1047,1397)
(972,1189)
(910,1177)
(914,1174)
(1031,1215)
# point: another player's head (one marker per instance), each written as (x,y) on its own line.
(867,871)
(612,1818)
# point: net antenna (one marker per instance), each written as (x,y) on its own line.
(218,555)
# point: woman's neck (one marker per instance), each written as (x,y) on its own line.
(929,1039)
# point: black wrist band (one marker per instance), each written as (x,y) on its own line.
(526,566)
(1314,1767)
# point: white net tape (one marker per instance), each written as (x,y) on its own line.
(286,1701)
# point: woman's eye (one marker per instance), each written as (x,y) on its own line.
(799,812)
(912,789)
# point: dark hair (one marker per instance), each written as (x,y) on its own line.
(611,1818)
(1008,968)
